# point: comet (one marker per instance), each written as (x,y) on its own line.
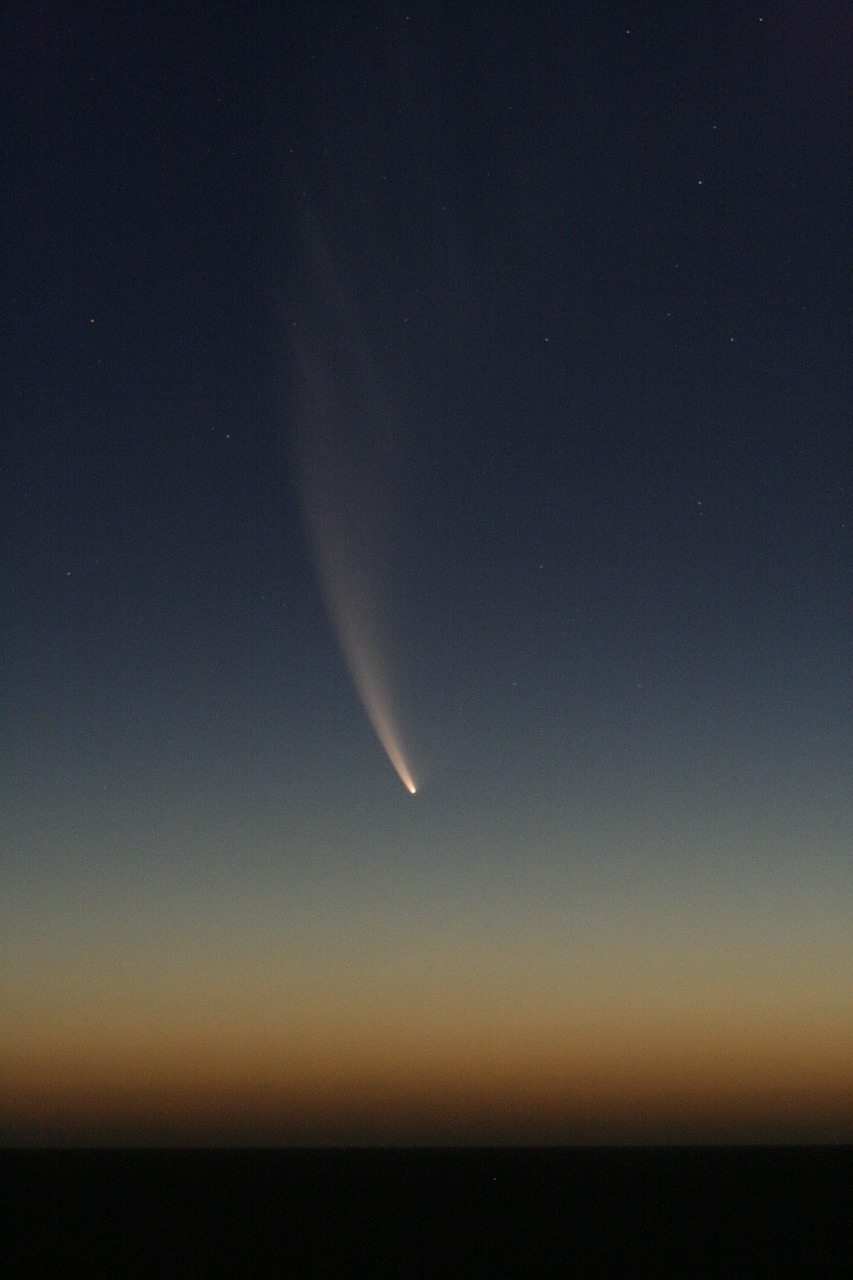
(347,464)
(360,635)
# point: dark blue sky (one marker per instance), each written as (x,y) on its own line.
(523,342)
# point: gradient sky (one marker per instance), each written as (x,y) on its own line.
(513,353)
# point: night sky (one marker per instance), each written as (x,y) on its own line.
(459,392)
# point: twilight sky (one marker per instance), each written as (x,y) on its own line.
(453,392)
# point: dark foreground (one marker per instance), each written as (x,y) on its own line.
(770,1211)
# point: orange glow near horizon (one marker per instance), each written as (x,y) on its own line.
(383,999)
(658,1077)
(629,1101)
